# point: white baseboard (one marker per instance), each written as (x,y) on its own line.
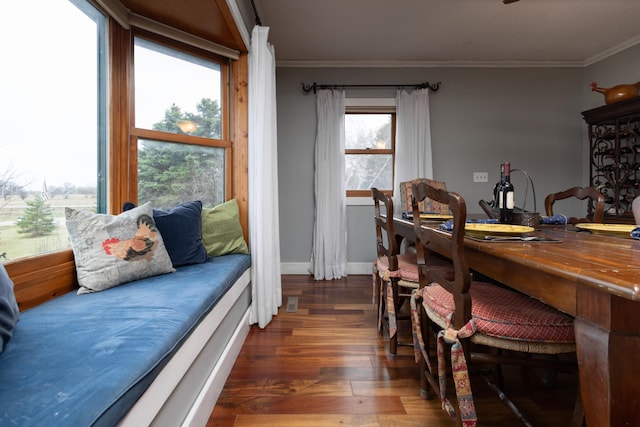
(302,267)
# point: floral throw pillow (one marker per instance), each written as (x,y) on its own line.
(110,250)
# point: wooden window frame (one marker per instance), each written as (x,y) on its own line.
(46,276)
(41,277)
(156,135)
(392,150)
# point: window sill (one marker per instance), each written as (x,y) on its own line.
(359,201)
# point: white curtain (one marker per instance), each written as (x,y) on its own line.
(413,139)
(264,228)
(329,252)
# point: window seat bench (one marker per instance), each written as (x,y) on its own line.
(156,351)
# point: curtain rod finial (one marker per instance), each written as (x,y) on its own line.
(433,86)
(308,88)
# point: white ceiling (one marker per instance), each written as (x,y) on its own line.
(448,32)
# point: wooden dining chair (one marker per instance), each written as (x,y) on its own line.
(427,205)
(595,208)
(394,274)
(477,321)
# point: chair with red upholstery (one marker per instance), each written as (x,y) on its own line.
(477,321)
(394,274)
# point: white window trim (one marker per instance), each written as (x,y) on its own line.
(359,201)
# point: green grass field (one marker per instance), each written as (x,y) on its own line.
(15,245)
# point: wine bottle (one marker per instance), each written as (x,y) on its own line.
(506,196)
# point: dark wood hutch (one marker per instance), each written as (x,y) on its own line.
(614,153)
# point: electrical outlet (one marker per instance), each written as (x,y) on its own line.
(480,177)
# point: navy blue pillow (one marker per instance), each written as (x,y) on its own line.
(9,311)
(181,230)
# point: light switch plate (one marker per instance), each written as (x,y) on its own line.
(480,177)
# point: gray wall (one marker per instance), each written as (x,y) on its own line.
(480,118)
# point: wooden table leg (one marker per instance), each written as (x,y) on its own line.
(608,361)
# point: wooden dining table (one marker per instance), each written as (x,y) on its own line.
(596,279)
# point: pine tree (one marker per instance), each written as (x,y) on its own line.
(170,173)
(37,219)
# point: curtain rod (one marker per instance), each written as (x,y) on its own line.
(255,12)
(315,86)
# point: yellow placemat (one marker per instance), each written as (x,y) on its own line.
(618,230)
(496,229)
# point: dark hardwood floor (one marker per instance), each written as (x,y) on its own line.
(326,365)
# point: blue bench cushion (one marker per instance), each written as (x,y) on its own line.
(81,360)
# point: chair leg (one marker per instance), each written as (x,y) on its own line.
(426,390)
(376,287)
(384,307)
(381,309)
(380,300)
(394,300)
(393,341)
(393,346)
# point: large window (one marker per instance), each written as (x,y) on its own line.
(180,124)
(53,121)
(369,151)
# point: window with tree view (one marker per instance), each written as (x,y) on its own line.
(179,124)
(53,120)
(369,152)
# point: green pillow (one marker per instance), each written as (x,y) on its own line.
(221,230)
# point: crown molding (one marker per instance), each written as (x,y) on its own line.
(612,51)
(429,64)
(462,64)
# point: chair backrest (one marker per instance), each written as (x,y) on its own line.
(595,209)
(451,245)
(427,205)
(386,243)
